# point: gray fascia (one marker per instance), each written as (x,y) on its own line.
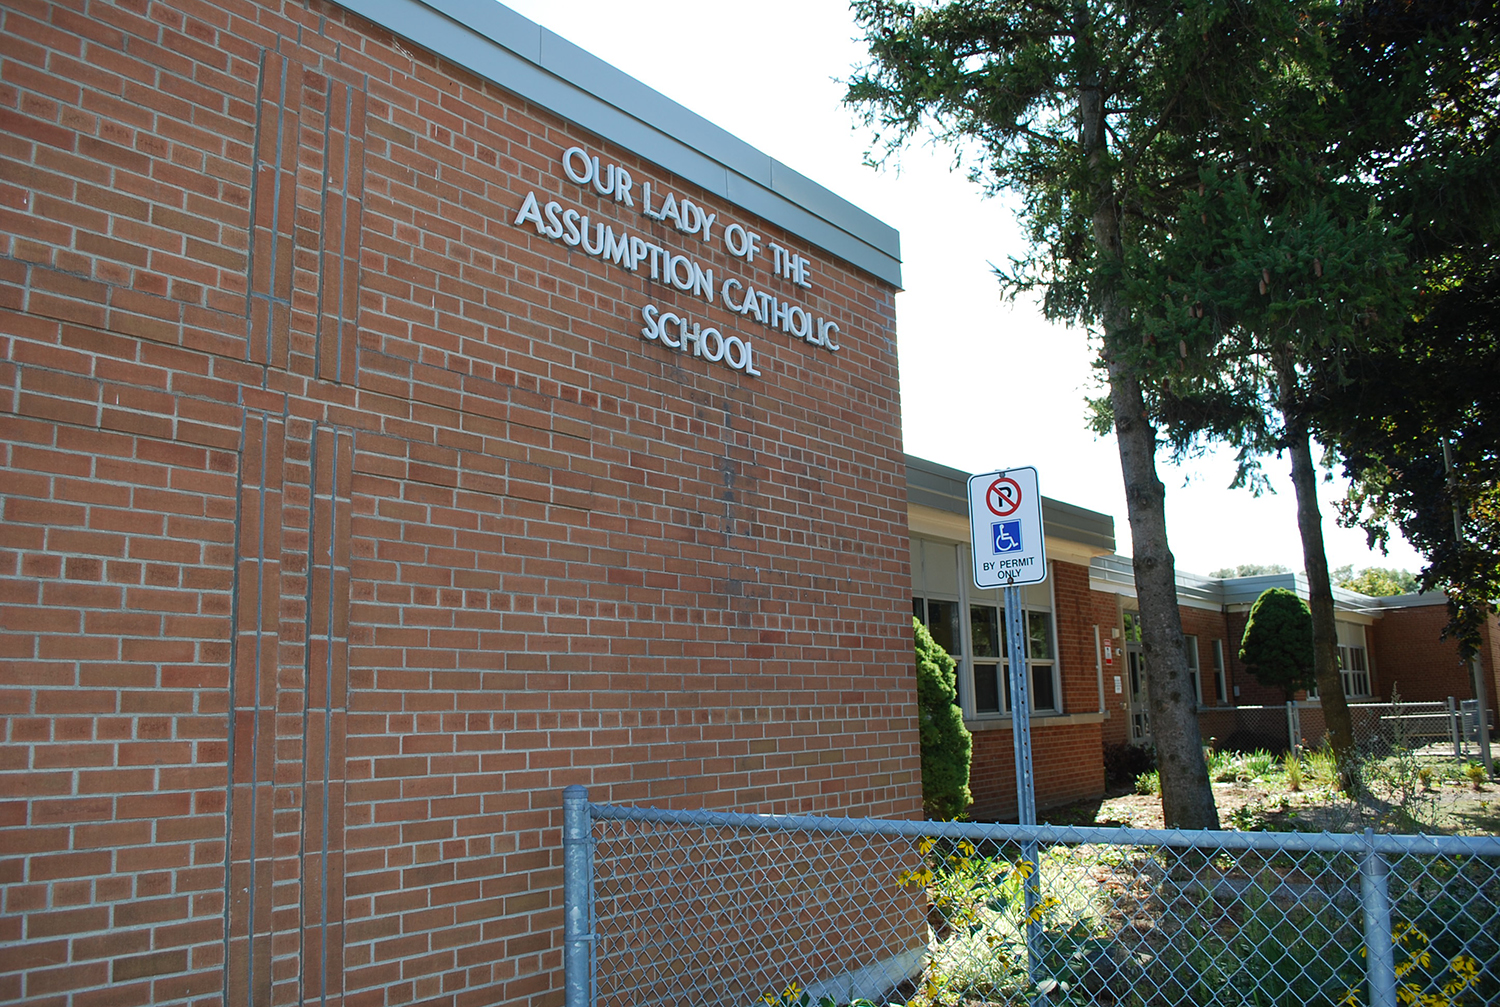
(943,488)
(522,57)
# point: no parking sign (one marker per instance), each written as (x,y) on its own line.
(1005,528)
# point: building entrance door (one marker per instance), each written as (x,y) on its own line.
(1140,719)
(1135,670)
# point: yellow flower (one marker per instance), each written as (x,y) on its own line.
(1041,909)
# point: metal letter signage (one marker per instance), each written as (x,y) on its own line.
(1005,529)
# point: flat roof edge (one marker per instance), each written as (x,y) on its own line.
(515,53)
(944,488)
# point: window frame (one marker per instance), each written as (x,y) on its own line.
(968,598)
(1221,684)
(1349,676)
(1047,668)
(1190,653)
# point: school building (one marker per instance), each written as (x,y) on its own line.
(406,415)
(1087,673)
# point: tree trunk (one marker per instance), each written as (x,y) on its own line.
(1187,796)
(1319,596)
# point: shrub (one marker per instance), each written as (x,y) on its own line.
(946,744)
(1258,765)
(1277,647)
(1293,766)
(1124,762)
(1475,774)
(1223,767)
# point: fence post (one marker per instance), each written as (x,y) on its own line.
(1380,953)
(1453,729)
(578,899)
(1293,726)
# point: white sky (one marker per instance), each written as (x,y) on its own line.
(984,384)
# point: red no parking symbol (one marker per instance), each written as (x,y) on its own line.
(1003,497)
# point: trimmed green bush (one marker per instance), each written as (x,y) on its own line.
(1277,646)
(946,745)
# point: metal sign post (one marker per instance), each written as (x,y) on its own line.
(1008,547)
(1020,704)
(1009,550)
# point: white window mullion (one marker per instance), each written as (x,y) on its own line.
(966,636)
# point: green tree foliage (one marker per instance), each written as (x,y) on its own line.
(1423,79)
(1249,570)
(946,744)
(1277,646)
(1098,115)
(1290,265)
(1293,268)
(1376,581)
(1433,392)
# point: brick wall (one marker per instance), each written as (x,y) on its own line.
(1412,658)
(1066,760)
(1079,612)
(1066,757)
(346,522)
(1209,626)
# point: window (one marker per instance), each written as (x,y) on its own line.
(942,623)
(1354,660)
(992,665)
(970,625)
(1042,659)
(1355,669)
(1221,690)
(987,636)
(1190,651)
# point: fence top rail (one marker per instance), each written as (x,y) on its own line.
(1435,706)
(1323,842)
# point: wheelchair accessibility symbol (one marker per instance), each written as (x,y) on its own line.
(1005,536)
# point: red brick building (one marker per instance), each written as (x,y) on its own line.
(1069,625)
(1088,676)
(1388,647)
(405,416)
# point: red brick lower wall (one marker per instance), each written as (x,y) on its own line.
(1067,760)
(346,520)
(1414,660)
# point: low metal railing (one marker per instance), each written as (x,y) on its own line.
(696,908)
(1434,730)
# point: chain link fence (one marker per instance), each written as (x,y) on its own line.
(1248,728)
(1432,730)
(699,908)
